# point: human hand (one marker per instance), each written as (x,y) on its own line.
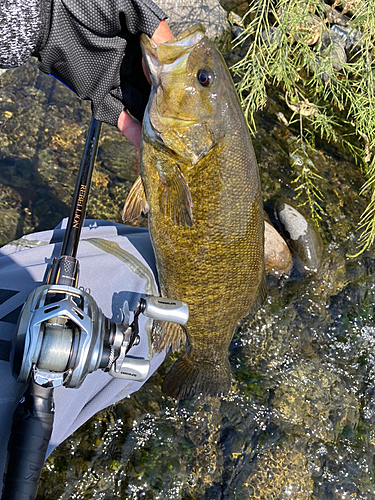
(93,47)
(130,128)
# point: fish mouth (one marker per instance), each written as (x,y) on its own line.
(167,125)
(157,137)
(170,121)
(173,52)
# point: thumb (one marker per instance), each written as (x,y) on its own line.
(130,128)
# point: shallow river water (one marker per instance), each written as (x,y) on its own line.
(299,421)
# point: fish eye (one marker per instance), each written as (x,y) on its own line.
(205,77)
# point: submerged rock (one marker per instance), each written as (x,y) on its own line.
(302,237)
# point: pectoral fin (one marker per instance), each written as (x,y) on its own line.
(165,334)
(136,203)
(175,200)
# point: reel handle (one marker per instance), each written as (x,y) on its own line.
(131,369)
(164,309)
(30,435)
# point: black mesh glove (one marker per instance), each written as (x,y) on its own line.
(84,47)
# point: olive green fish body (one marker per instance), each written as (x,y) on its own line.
(205,208)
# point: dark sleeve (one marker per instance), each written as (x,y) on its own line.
(112,17)
(21,22)
(93,47)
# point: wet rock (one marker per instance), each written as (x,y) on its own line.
(277,257)
(182,14)
(302,237)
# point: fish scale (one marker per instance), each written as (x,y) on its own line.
(202,188)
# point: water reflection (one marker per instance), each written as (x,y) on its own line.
(299,420)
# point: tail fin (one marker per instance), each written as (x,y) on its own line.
(189,377)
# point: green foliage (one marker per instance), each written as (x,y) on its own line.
(327,85)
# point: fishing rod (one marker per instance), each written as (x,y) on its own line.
(62,336)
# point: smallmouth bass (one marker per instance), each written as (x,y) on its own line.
(200,185)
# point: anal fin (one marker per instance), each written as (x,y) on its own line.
(136,203)
(165,334)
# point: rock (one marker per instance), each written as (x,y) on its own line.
(349,37)
(237,27)
(277,257)
(301,106)
(333,46)
(270,34)
(309,31)
(302,237)
(182,14)
(240,7)
(336,17)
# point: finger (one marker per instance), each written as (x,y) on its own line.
(130,128)
(162,33)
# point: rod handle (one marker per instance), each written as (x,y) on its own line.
(27,446)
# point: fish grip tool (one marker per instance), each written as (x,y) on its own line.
(62,336)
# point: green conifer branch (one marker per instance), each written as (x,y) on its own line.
(286,49)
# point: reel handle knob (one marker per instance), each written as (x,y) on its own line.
(175,311)
(130,368)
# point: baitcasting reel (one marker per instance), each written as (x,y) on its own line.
(62,336)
